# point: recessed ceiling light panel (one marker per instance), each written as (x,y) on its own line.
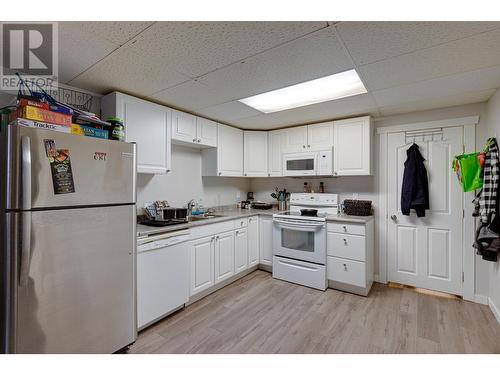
(319,90)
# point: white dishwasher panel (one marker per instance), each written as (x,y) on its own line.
(162,279)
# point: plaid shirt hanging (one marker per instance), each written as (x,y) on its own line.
(485,201)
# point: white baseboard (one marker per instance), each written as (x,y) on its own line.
(494,309)
(478,298)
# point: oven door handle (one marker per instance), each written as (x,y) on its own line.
(304,227)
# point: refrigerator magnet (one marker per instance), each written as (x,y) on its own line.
(62,174)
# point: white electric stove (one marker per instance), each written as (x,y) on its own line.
(299,239)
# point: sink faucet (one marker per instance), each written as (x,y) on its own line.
(190,206)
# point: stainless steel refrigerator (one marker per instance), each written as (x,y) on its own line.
(68,242)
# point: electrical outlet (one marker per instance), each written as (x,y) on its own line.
(355,196)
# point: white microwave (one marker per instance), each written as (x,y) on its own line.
(318,163)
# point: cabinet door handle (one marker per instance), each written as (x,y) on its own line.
(345,228)
(345,267)
(199,140)
(308,145)
(269,174)
(220,173)
(237,231)
(303,146)
(345,241)
(194,139)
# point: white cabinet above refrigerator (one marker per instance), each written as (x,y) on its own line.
(148,125)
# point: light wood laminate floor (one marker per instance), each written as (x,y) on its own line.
(259,314)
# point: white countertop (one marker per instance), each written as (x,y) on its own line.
(233,214)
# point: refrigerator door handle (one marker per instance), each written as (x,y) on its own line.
(26,172)
(26,214)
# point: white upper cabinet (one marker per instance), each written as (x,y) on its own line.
(227,158)
(148,125)
(184,127)
(316,137)
(206,132)
(192,130)
(255,154)
(295,139)
(274,159)
(352,147)
(320,136)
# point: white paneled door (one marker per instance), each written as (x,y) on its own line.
(427,252)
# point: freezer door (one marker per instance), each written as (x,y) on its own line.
(79,292)
(103,170)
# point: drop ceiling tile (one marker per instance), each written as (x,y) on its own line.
(124,70)
(368,42)
(428,104)
(79,50)
(118,32)
(352,106)
(196,48)
(473,81)
(476,52)
(314,56)
(191,95)
(227,112)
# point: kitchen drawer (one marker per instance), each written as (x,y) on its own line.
(211,229)
(346,246)
(299,272)
(346,271)
(241,223)
(348,228)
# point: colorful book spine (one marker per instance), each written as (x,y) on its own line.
(23,102)
(42,115)
(88,131)
(43,125)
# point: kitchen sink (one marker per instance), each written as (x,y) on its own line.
(204,217)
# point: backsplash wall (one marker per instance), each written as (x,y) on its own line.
(185,182)
(359,187)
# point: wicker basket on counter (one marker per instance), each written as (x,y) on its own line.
(357,207)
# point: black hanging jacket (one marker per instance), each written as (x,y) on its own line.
(415,190)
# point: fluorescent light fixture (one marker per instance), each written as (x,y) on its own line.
(319,90)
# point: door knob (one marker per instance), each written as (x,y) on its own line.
(394,218)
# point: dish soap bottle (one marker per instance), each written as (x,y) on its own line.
(321,187)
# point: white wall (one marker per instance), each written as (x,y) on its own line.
(367,186)
(494,268)
(185,183)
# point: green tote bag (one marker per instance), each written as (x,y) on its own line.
(469,170)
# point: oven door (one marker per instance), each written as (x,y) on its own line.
(300,239)
(301,164)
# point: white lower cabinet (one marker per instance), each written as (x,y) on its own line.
(202,264)
(240,250)
(224,256)
(350,256)
(253,241)
(266,240)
